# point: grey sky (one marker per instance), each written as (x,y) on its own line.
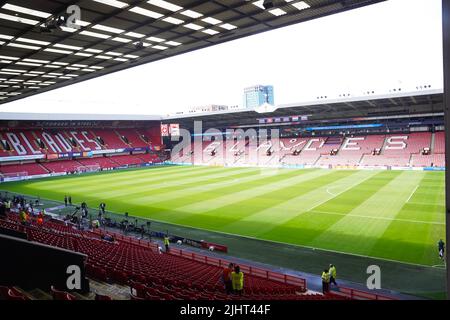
(393,44)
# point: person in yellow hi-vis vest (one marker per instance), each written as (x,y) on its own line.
(237,280)
(166,243)
(325,281)
(332,272)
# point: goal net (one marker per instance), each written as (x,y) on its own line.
(12,176)
(88,168)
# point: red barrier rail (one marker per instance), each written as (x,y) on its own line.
(360,295)
(259,272)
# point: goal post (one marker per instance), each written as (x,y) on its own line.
(13,176)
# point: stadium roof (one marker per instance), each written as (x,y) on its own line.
(75,117)
(34,60)
(422,102)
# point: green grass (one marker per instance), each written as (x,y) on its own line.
(395,215)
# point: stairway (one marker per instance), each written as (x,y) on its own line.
(432,143)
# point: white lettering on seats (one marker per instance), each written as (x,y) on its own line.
(79,141)
(310,142)
(15,142)
(30,146)
(350,145)
(63,142)
(85,135)
(396,145)
(51,143)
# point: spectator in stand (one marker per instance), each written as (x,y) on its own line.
(441,248)
(237,280)
(2,210)
(325,281)
(40,218)
(166,242)
(65,201)
(23,216)
(8,206)
(226,278)
(332,272)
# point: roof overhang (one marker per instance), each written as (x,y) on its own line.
(16,116)
(37,61)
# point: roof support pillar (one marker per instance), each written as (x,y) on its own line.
(446,47)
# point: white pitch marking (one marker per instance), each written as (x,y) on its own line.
(379,218)
(410,196)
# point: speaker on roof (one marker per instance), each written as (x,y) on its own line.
(268,4)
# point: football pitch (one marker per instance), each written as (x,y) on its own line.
(394,215)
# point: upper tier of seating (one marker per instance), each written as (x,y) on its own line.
(371,150)
(60,166)
(33,142)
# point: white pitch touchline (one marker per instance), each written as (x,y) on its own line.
(410,196)
(379,218)
(427,203)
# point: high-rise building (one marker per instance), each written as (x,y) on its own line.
(258,95)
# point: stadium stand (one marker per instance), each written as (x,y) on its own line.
(149,274)
(29,168)
(404,150)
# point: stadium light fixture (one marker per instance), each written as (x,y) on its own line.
(9,58)
(228,26)
(31,12)
(165,5)
(160,47)
(65,46)
(107,29)
(6,37)
(211,20)
(103,57)
(135,35)
(302,5)
(23,46)
(173,20)
(210,31)
(113,3)
(173,43)
(36,60)
(120,39)
(82,54)
(156,39)
(58,51)
(277,12)
(18,19)
(113,53)
(145,12)
(191,14)
(193,26)
(32,41)
(93,50)
(95,34)
(31,64)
